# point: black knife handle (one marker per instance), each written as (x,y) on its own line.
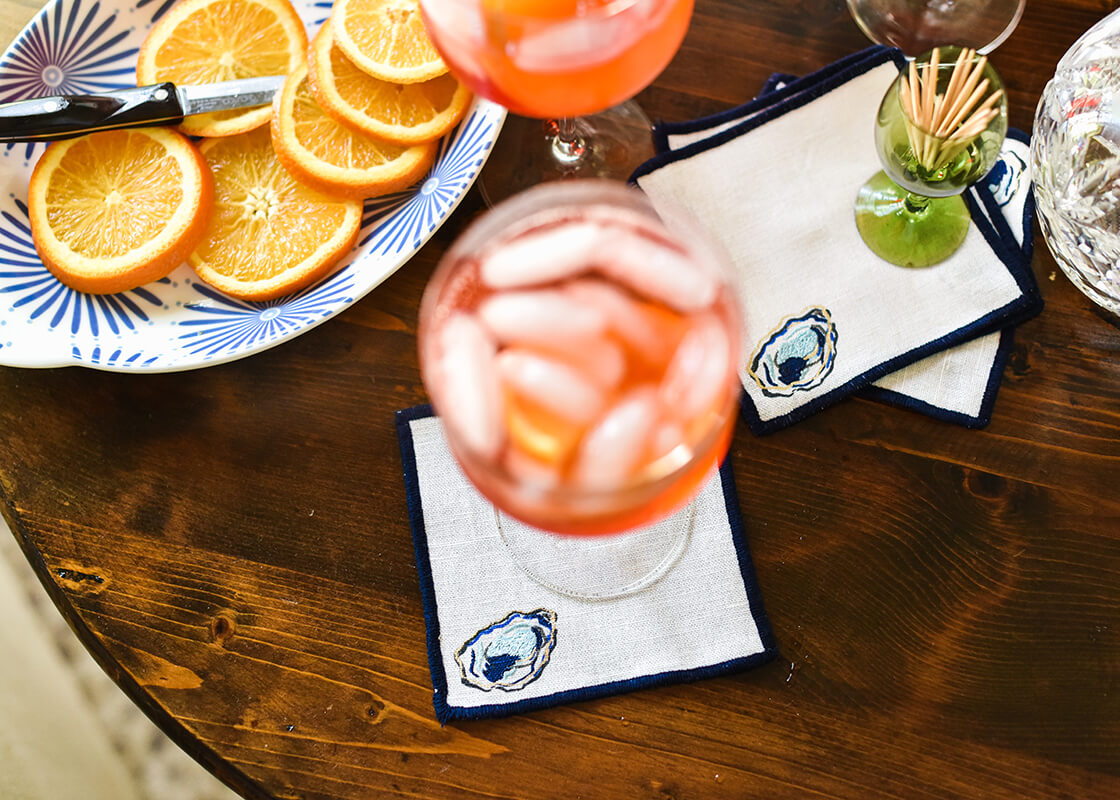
(67,116)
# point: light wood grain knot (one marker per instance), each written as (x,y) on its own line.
(222,628)
(1019,361)
(76,578)
(985,485)
(663,791)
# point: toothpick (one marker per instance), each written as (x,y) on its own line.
(929,89)
(966,90)
(931,99)
(940,126)
(954,80)
(966,106)
(975,125)
(915,87)
(904,95)
(991,101)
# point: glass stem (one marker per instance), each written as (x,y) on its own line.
(915,203)
(568,147)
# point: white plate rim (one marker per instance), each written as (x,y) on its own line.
(116,333)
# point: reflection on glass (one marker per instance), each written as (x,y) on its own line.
(568,68)
(915,26)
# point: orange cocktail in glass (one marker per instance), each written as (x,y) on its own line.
(573,64)
(582,356)
(557,58)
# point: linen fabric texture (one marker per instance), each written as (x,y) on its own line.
(774,180)
(500,643)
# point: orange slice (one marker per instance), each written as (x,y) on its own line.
(387,39)
(269,235)
(405,113)
(205,41)
(334,158)
(548,438)
(111,211)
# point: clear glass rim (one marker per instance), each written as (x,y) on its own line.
(1012,24)
(857,12)
(575,194)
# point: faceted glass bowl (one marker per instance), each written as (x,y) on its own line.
(1075,155)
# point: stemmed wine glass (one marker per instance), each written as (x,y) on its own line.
(566,70)
(581,350)
(916,26)
(939,129)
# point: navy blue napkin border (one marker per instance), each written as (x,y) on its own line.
(796,94)
(447,713)
(800,89)
(987,403)
(995,212)
(776,81)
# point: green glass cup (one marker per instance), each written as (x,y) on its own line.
(912,213)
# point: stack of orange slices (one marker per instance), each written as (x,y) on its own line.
(258,212)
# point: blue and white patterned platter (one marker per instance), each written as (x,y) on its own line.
(179,323)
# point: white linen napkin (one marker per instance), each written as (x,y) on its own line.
(775,180)
(500,643)
(958,384)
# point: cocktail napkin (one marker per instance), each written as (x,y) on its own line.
(500,643)
(958,384)
(775,180)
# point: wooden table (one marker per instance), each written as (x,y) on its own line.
(232,544)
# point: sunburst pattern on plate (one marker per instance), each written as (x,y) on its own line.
(181,323)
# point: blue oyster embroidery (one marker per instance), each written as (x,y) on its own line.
(1004,179)
(798,356)
(509,654)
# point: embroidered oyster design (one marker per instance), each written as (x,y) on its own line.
(796,357)
(508,654)
(1004,179)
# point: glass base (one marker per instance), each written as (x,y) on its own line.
(907,230)
(610,144)
(598,567)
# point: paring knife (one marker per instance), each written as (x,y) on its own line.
(66,116)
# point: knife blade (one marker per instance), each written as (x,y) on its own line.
(66,116)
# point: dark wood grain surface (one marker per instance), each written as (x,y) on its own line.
(232,544)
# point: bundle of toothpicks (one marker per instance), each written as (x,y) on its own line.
(940,126)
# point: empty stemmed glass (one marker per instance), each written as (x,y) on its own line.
(915,26)
(939,129)
(567,69)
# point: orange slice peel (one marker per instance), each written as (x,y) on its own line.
(407,113)
(387,39)
(334,158)
(269,235)
(113,210)
(206,41)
